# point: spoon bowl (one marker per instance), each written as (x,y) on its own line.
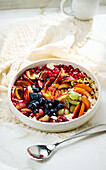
(40,152)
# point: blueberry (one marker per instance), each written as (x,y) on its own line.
(46,111)
(39,94)
(54,114)
(42,101)
(55,110)
(33,96)
(49,113)
(55,102)
(49,105)
(35,90)
(34,105)
(37,103)
(47,101)
(60,106)
(52,111)
(32,101)
(36,111)
(30,106)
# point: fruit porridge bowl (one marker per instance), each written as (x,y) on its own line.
(54,95)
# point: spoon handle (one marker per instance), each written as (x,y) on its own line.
(90,131)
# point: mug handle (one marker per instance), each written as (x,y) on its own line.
(62,8)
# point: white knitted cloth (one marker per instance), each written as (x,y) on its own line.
(47,37)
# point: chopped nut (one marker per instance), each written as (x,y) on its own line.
(73,83)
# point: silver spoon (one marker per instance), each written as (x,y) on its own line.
(42,152)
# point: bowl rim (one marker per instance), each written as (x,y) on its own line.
(53,60)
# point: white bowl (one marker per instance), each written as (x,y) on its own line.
(54,127)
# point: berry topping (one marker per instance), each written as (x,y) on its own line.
(33,96)
(55,102)
(35,90)
(47,101)
(42,101)
(60,106)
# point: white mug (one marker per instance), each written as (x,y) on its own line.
(81,9)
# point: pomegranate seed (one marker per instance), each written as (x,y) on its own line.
(54,75)
(76,77)
(55,65)
(42,68)
(57,72)
(12,98)
(70,73)
(79,74)
(33,70)
(46,69)
(14,104)
(82,76)
(55,69)
(60,78)
(32,115)
(38,71)
(59,66)
(69,66)
(50,74)
(25,113)
(53,121)
(74,72)
(60,120)
(63,118)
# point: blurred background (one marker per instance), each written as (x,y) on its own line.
(19,4)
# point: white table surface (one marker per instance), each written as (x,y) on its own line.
(80,154)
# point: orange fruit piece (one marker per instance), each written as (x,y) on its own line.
(76,110)
(81,112)
(84,86)
(86,102)
(82,91)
